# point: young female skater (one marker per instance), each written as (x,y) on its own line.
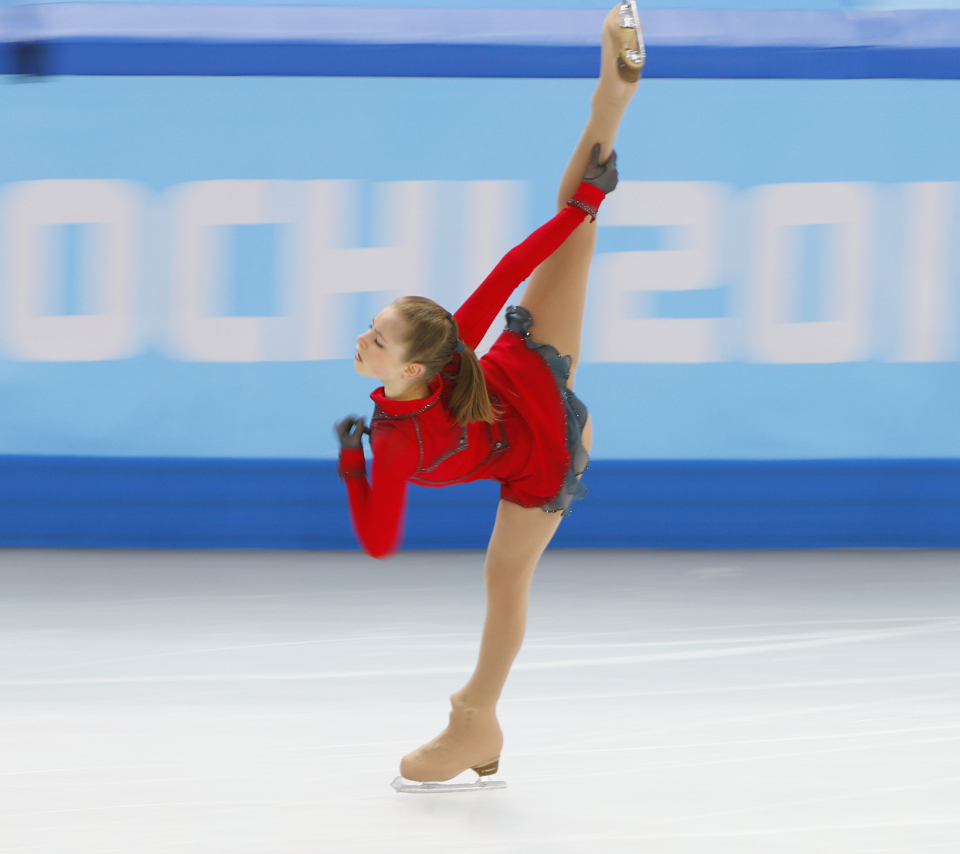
(444,417)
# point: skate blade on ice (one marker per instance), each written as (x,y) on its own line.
(402,785)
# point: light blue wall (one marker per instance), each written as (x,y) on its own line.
(157,134)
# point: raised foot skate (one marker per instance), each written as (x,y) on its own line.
(632,54)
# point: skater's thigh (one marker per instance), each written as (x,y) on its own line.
(520,535)
(557,292)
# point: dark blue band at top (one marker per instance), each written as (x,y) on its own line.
(128,39)
(291,59)
(301,504)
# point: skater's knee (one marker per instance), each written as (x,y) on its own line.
(509,579)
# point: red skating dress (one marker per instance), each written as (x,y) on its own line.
(533,447)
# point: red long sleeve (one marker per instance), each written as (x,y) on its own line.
(376,508)
(485,304)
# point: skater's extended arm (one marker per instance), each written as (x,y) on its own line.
(487,301)
(377,507)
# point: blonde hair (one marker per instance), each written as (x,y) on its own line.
(431,342)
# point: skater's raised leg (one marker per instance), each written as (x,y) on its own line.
(557,291)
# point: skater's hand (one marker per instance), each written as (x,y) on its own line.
(602,176)
(350,432)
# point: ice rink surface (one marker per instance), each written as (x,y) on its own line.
(666,702)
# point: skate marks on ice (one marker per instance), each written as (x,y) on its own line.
(258,701)
(703,649)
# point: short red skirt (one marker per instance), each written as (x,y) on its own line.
(543,419)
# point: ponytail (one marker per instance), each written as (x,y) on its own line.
(470,401)
(432,342)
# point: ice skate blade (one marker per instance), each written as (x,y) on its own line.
(631,58)
(402,785)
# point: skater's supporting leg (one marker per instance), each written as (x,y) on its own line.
(519,538)
(556,294)
(520,534)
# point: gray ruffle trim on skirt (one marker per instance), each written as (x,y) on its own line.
(519,320)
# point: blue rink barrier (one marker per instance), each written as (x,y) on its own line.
(147,39)
(301,504)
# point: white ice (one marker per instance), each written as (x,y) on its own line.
(665,702)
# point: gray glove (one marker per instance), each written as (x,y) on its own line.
(603,177)
(350,432)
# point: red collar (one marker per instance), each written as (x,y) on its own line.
(402,408)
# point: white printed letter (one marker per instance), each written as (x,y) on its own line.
(329,266)
(927,328)
(201,332)
(621,337)
(779,208)
(32,269)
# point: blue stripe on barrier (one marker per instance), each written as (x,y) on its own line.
(300,504)
(145,39)
(306,59)
(292,59)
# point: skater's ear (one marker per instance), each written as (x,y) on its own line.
(413,371)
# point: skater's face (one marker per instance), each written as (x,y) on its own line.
(381,351)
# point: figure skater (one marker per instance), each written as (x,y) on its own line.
(442,416)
